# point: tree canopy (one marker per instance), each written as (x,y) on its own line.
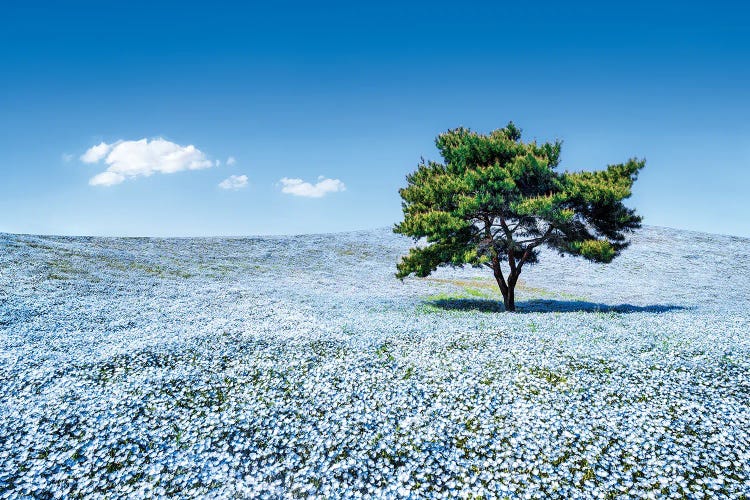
(496,199)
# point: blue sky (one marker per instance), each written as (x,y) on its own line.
(356,93)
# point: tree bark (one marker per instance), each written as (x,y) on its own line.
(506,288)
(509,299)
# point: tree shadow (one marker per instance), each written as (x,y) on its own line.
(549,305)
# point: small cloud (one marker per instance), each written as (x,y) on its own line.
(96,153)
(231,161)
(234,182)
(298,187)
(66,157)
(131,159)
(217,163)
(106,179)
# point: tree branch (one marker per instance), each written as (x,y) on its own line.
(508,232)
(532,240)
(532,246)
(497,270)
(513,276)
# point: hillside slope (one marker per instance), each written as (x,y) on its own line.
(299,365)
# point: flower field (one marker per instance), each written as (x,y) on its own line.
(297,366)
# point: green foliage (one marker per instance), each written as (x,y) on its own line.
(595,250)
(498,199)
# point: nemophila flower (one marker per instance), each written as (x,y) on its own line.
(262,367)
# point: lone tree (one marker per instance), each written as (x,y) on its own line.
(498,199)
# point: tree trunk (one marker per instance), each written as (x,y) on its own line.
(509,294)
(509,299)
(506,288)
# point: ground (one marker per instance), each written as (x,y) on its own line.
(299,366)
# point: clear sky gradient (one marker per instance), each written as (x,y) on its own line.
(356,92)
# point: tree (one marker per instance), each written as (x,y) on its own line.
(496,200)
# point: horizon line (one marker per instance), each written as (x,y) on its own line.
(289,235)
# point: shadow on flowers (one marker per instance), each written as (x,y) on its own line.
(548,305)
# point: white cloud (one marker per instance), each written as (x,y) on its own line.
(234,182)
(298,187)
(106,179)
(231,160)
(96,153)
(131,159)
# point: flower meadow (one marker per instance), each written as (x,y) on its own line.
(287,367)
